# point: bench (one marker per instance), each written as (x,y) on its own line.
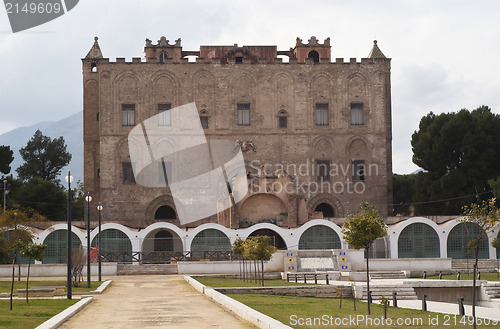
(37,292)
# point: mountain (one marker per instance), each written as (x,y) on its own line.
(71,128)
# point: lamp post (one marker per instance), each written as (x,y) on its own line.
(99,207)
(69,179)
(88,198)
(4,194)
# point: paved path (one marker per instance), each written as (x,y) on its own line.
(153,301)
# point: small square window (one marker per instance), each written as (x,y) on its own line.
(323,169)
(128,114)
(239,59)
(243,114)
(321,114)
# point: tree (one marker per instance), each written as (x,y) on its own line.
(34,252)
(44,157)
(45,197)
(496,244)
(485,215)
(259,248)
(6,158)
(239,249)
(459,152)
(16,225)
(360,230)
(403,194)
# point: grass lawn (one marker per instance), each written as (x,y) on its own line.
(300,312)
(464,276)
(32,315)
(5,285)
(224,282)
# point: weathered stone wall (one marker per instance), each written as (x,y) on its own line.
(269,88)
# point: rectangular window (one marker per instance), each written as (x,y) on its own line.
(165,171)
(321,114)
(358,170)
(204,122)
(128,114)
(283,122)
(128,173)
(357,114)
(323,170)
(164,114)
(244,114)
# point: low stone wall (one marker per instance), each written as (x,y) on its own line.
(298,291)
(133,269)
(226,267)
(410,264)
(51,270)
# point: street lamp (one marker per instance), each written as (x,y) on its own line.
(5,192)
(99,207)
(69,179)
(88,198)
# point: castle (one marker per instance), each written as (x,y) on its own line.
(320,127)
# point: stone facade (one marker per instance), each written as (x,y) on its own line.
(315,133)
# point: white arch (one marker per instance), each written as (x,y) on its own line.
(317,222)
(119,227)
(158,226)
(395,230)
(40,238)
(448,226)
(191,234)
(285,234)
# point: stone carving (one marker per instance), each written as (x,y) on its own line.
(245,145)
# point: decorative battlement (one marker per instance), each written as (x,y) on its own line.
(313,42)
(312,52)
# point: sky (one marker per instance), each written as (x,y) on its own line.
(444,53)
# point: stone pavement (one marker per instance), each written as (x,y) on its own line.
(153,301)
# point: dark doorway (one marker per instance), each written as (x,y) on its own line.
(164,241)
(276,239)
(326,209)
(314,55)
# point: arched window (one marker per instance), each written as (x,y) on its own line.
(57,246)
(209,240)
(165,212)
(418,240)
(204,119)
(115,245)
(314,55)
(93,67)
(319,237)
(162,57)
(458,239)
(282,119)
(326,209)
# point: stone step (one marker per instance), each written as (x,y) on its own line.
(387,275)
(124,269)
(459,264)
(403,292)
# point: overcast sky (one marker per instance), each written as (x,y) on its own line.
(444,53)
